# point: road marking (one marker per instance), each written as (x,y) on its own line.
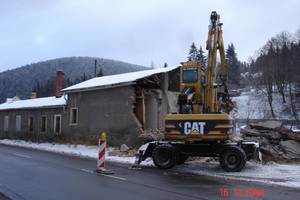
(22,155)
(192,186)
(115,177)
(110,176)
(88,171)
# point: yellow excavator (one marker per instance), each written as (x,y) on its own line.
(202,126)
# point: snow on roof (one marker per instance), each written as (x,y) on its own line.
(34,103)
(117,79)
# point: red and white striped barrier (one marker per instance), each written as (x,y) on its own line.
(101,155)
(102,151)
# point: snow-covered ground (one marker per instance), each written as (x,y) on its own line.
(88,151)
(272,173)
(254,105)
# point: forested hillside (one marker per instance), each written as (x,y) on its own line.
(276,71)
(21,81)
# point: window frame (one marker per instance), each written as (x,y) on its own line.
(60,118)
(18,123)
(41,127)
(71,122)
(29,124)
(6,123)
(189,70)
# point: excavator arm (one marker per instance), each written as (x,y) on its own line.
(221,101)
(225,103)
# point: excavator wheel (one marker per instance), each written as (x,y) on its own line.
(164,156)
(233,159)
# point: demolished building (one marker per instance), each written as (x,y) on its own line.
(123,105)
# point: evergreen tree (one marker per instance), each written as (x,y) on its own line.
(100,73)
(233,65)
(68,82)
(201,58)
(152,65)
(45,90)
(83,78)
(193,52)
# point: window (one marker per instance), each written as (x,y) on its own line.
(18,123)
(6,123)
(44,124)
(74,116)
(30,123)
(57,124)
(190,75)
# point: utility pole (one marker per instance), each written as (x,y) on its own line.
(95,72)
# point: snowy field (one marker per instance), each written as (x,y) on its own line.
(254,105)
(272,173)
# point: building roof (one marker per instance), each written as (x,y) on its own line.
(116,80)
(34,103)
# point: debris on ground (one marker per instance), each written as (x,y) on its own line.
(277,143)
(124,148)
(292,147)
(267,125)
(120,153)
(151,134)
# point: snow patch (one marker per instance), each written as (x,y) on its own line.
(272,173)
(34,103)
(117,79)
(254,105)
(87,151)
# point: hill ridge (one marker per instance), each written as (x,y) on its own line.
(21,80)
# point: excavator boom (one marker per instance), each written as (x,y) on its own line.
(213,45)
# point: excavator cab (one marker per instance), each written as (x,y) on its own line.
(189,99)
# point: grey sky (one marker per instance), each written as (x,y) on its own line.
(135,31)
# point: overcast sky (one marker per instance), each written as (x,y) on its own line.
(135,31)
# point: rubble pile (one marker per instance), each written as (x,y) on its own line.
(277,143)
(123,151)
(151,134)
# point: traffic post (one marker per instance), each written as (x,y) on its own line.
(101,155)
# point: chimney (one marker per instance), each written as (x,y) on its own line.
(33,95)
(59,82)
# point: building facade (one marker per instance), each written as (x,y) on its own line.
(123,105)
(32,119)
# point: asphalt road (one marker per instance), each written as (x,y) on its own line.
(39,175)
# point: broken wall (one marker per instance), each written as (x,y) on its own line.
(158,103)
(109,110)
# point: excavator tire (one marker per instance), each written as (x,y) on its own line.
(164,156)
(233,159)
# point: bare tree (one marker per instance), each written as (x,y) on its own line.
(278,66)
(293,76)
(265,65)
